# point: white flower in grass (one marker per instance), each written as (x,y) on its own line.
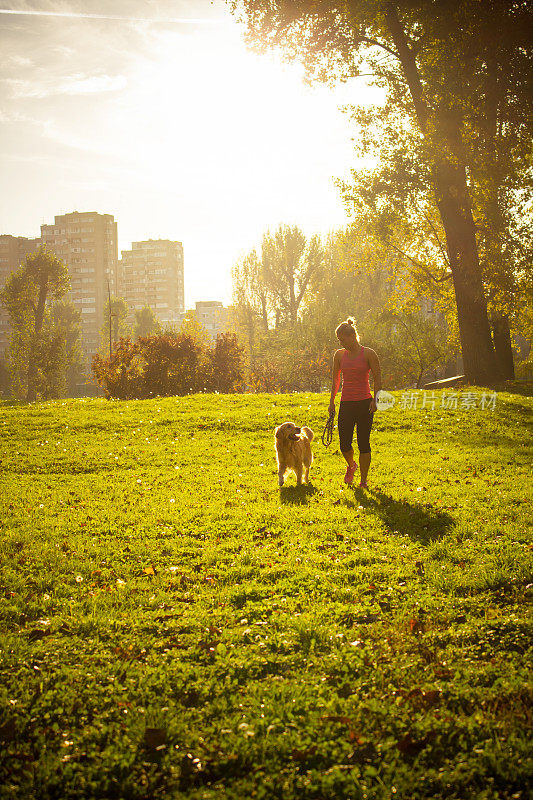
(172,500)
(79,578)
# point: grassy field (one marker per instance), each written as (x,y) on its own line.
(174,625)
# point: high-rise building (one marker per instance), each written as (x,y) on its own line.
(87,243)
(13,251)
(151,274)
(212,316)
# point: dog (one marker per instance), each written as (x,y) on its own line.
(293,451)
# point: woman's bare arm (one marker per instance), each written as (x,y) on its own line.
(336,380)
(375,367)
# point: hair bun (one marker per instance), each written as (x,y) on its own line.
(347,328)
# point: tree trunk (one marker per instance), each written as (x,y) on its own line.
(501,336)
(251,335)
(31,392)
(264,313)
(293,310)
(453,201)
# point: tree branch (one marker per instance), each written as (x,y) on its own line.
(419,265)
(375,42)
(435,234)
(397,318)
(408,62)
(304,285)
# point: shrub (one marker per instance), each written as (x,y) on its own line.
(225,365)
(297,370)
(172,364)
(121,374)
(266,377)
(169,364)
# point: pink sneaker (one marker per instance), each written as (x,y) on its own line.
(363,485)
(350,472)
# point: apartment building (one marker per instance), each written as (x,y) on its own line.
(87,243)
(212,315)
(151,274)
(13,251)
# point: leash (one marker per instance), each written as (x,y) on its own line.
(327,433)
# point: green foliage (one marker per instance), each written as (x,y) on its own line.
(38,353)
(66,320)
(225,365)
(176,626)
(40,279)
(289,264)
(271,289)
(410,348)
(192,327)
(146,323)
(286,362)
(357,277)
(451,140)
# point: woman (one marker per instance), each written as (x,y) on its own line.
(357,405)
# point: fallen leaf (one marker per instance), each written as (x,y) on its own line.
(335,718)
(412,747)
(443,673)
(301,755)
(416,625)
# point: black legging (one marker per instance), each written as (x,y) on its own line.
(352,413)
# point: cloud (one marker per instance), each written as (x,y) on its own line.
(70,85)
(18,61)
(110,17)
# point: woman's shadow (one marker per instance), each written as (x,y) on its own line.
(423,523)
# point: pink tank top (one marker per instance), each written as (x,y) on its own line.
(355,371)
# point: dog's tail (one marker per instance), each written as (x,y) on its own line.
(308,433)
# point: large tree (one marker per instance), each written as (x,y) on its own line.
(431,59)
(499,158)
(251,300)
(27,296)
(146,322)
(363,279)
(271,287)
(65,319)
(289,263)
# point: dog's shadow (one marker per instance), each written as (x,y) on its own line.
(422,523)
(297,495)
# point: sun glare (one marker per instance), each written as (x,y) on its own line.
(190,137)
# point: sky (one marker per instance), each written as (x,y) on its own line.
(154,111)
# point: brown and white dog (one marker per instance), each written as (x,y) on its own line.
(293,451)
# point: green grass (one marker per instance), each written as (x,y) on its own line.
(174,625)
